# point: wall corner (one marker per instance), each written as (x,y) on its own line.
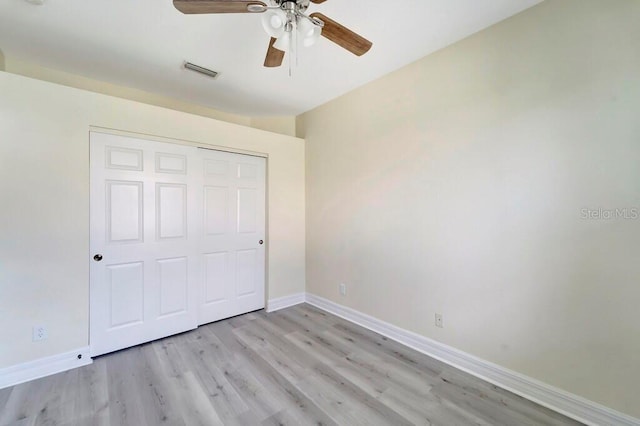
(300,129)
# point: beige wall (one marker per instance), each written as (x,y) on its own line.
(44,193)
(455,185)
(282,125)
(1,61)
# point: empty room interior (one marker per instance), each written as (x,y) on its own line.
(292,212)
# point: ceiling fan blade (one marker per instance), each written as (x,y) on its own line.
(215,6)
(343,36)
(274,56)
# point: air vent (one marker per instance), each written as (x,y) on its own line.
(201,70)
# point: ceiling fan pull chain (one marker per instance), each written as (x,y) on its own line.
(289,56)
(294,42)
(297,43)
(293,52)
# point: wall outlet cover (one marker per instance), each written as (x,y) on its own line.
(439,323)
(39,333)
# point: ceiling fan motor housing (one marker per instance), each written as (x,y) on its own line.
(293,5)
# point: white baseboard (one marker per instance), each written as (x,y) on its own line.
(573,406)
(42,367)
(284,302)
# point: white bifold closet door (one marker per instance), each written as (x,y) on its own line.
(175,239)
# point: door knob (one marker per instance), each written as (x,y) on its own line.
(97,257)
(261,242)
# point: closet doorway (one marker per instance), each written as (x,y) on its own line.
(177,238)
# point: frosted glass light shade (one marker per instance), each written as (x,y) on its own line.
(273,22)
(305,27)
(308,31)
(313,36)
(284,42)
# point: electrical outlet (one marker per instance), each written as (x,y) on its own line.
(39,333)
(343,289)
(439,321)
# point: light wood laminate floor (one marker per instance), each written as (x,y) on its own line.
(298,366)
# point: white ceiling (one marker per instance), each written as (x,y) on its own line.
(143,43)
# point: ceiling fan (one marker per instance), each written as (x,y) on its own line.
(283,20)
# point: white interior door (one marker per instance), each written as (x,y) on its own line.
(144,240)
(233,236)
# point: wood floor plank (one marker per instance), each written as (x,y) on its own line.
(11,404)
(298,366)
(154,388)
(285,392)
(125,405)
(314,314)
(298,406)
(213,375)
(4,397)
(367,339)
(257,382)
(334,393)
(290,368)
(61,402)
(260,399)
(407,368)
(304,323)
(345,401)
(354,405)
(372,384)
(29,421)
(190,394)
(40,401)
(184,388)
(91,401)
(377,364)
(427,411)
(491,403)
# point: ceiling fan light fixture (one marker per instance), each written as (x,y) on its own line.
(311,38)
(309,31)
(305,26)
(284,42)
(274,22)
